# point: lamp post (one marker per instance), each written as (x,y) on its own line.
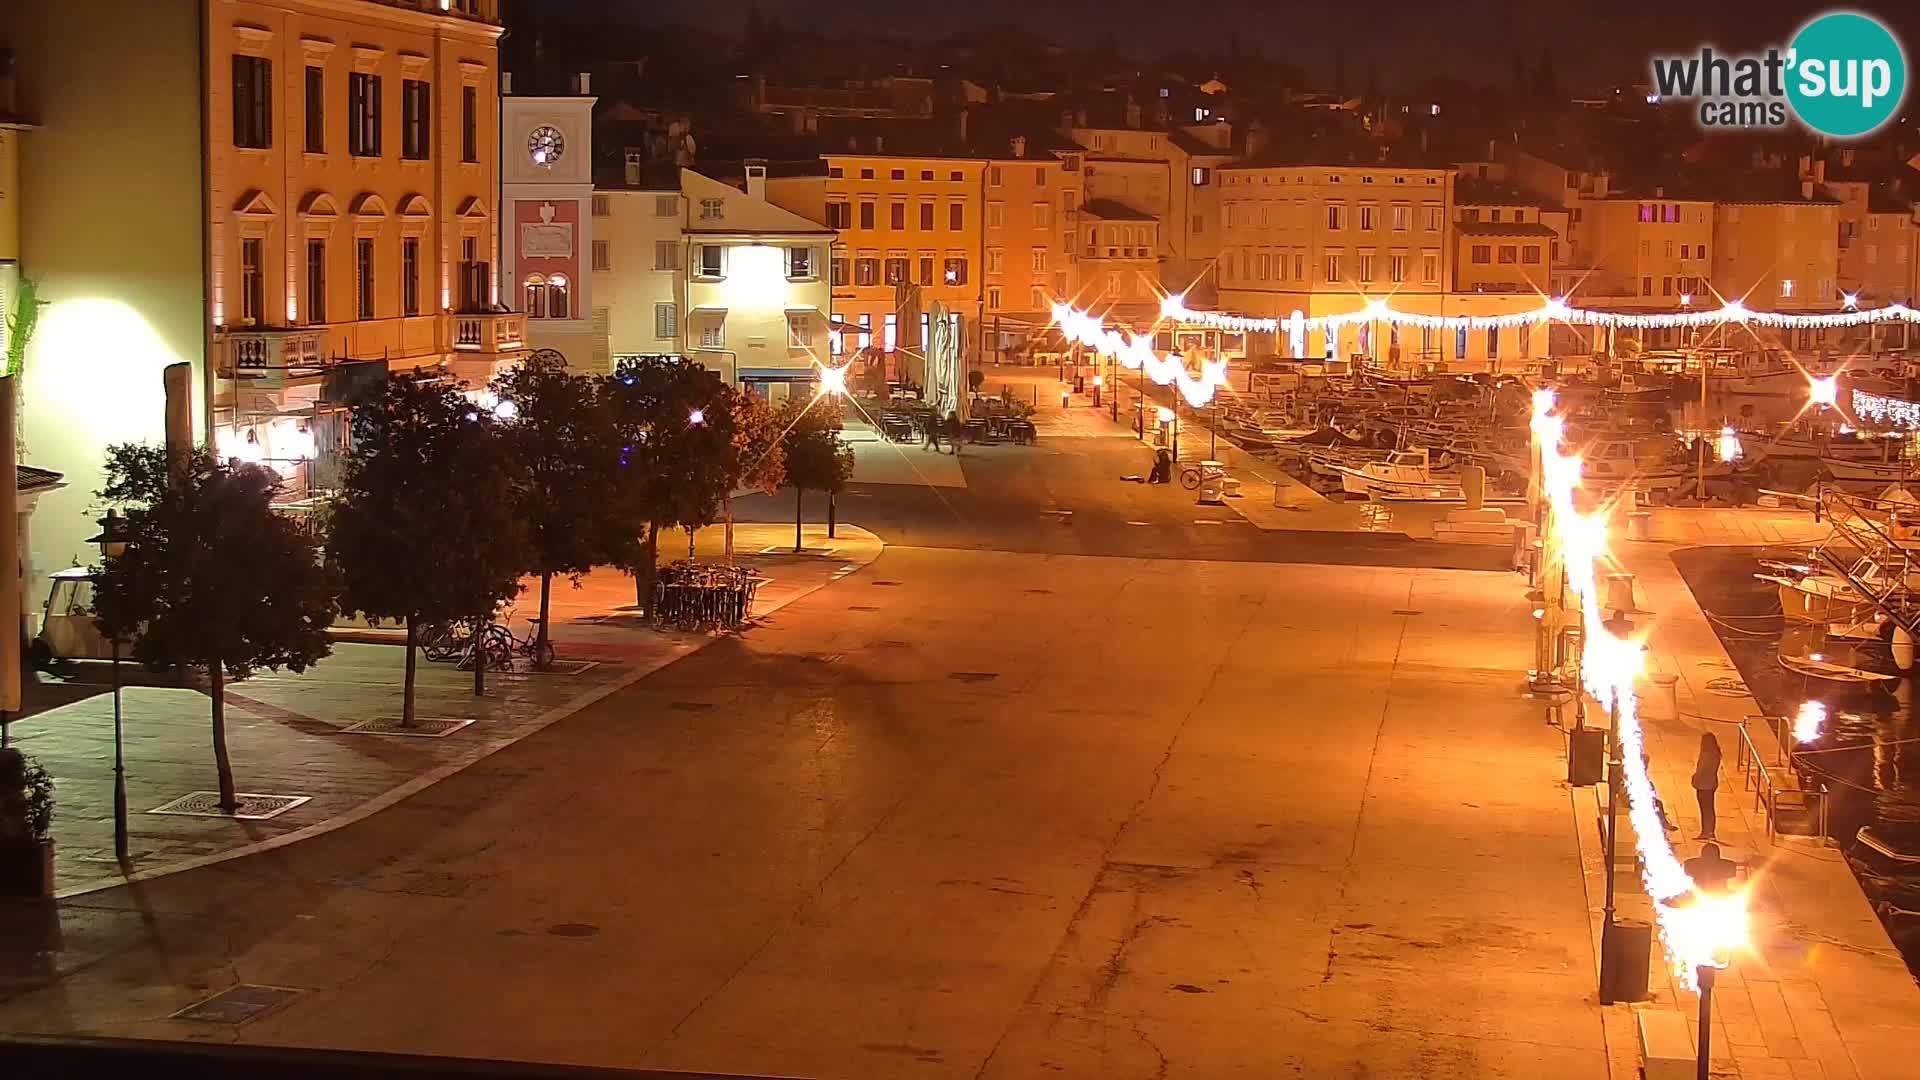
(113,544)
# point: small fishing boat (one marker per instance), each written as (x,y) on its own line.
(1881,473)
(1405,474)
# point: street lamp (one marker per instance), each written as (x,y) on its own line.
(113,544)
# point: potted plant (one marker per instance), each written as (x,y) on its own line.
(26,826)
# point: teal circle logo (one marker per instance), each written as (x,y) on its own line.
(1846,74)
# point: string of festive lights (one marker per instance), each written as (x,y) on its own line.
(1136,353)
(1697,928)
(1174,308)
(1881,409)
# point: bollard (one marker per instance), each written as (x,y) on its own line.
(1662,702)
(1639,525)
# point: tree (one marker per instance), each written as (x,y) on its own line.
(558,440)
(211,577)
(816,458)
(677,462)
(425,530)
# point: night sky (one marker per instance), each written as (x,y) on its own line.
(1595,41)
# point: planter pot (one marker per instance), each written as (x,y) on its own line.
(26,868)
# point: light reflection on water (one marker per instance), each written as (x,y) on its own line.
(1868,754)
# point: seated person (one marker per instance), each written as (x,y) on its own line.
(1711,873)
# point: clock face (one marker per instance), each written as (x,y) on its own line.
(545,144)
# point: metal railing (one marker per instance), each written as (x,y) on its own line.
(1768,791)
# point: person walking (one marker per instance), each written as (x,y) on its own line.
(1706,781)
(955,432)
(930,427)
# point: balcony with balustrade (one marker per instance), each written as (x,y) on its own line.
(273,358)
(486,343)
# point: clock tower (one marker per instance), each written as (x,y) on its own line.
(546,261)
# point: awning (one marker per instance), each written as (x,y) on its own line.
(777,374)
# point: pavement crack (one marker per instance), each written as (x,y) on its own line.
(1366,783)
(1105,862)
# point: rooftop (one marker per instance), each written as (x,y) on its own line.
(1111,210)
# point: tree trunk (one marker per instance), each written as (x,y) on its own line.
(222,765)
(650,559)
(729,508)
(406,695)
(798,493)
(831,513)
(479,660)
(541,641)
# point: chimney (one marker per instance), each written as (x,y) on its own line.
(960,121)
(757,178)
(634,160)
(1133,114)
(583,83)
(1081,117)
(506,84)
(1019,145)
(1066,119)
(879,144)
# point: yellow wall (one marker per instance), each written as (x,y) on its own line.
(9,195)
(1036,197)
(1277,234)
(308,196)
(634,283)
(1640,263)
(944,183)
(766,318)
(1876,261)
(1760,247)
(110,200)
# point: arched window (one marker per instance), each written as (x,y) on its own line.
(557,297)
(536,297)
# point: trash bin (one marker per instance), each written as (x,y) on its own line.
(1662,701)
(1639,525)
(1626,955)
(1586,756)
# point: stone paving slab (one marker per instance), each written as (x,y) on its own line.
(1822,992)
(289,734)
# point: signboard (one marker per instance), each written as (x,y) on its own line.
(546,240)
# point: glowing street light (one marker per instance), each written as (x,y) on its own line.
(697,417)
(833,380)
(1824,392)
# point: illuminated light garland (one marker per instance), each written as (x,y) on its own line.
(1699,929)
(1174,308)
(1880,408)
(1136,353)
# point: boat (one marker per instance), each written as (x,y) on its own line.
(1845,446)
(1405,474)
(1888,849)
(1819,666)
(1645,464)
(1811,594)
(1881,473)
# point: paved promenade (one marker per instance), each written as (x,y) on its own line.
(1822,993)
(293,734)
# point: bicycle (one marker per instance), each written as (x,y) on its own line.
(1192,476)
(444,642)
(503,645)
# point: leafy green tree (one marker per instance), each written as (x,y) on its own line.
(815,456)
(677,461)
(559,439)
(425,529)
(211,577)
